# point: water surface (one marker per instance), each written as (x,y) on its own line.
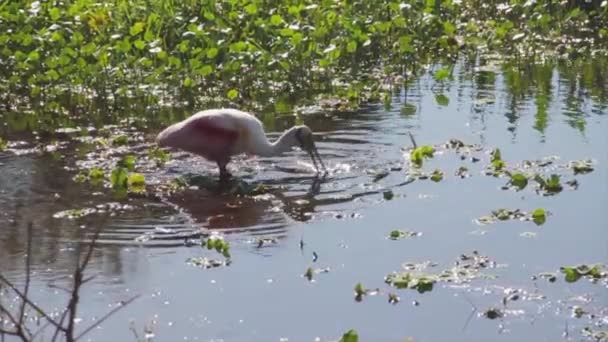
(339,223)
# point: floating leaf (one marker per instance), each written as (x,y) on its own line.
(96,175)
(539,216)
(437,176)
(137,182)
(350,336)
(309,273)
(417,156)
(519,180)
(127,162)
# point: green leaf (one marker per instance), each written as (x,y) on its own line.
(350,336)
(442,100)
(33,56)
(238,46)
(3,144)
(140,44)
(572,274)
(137,28)
(553,184)
(54,14)
(251,9)
(442,74)
(405,44)
(359,291)
(437,176)
(498,165)
(388,195)
(449,28)
(276,20)
(96,175)
(232,94)
(352,46)
(119,178)
(137,182)
(212,53)
(187,82)
(496,155)
(539,216)
(127,162)
(417,156)
(519,180)
(205,70)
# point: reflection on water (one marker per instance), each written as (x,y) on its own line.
(531,102)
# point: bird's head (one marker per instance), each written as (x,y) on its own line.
(305,139)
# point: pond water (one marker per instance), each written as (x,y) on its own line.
(338,226)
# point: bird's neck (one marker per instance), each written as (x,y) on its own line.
(283,144)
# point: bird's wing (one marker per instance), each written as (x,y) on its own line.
(212,137)
(214,128)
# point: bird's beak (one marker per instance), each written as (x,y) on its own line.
(314,156)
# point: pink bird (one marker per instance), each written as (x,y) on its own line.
(219,134)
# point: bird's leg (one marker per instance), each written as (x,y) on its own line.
(224,174)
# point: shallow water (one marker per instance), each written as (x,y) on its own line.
(341,223)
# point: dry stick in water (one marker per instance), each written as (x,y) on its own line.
(68,330)
(412,139)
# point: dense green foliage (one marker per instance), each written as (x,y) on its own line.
(67,56)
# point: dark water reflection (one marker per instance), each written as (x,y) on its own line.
(529,111)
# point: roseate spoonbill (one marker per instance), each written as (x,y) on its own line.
(218,134)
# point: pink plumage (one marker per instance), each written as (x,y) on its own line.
(219,134)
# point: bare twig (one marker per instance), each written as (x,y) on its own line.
(62,328)
(28,264)
(122,305)
(412,139)
(78,281)
(29,302)
(466,323)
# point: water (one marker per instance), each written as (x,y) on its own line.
(339,224)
